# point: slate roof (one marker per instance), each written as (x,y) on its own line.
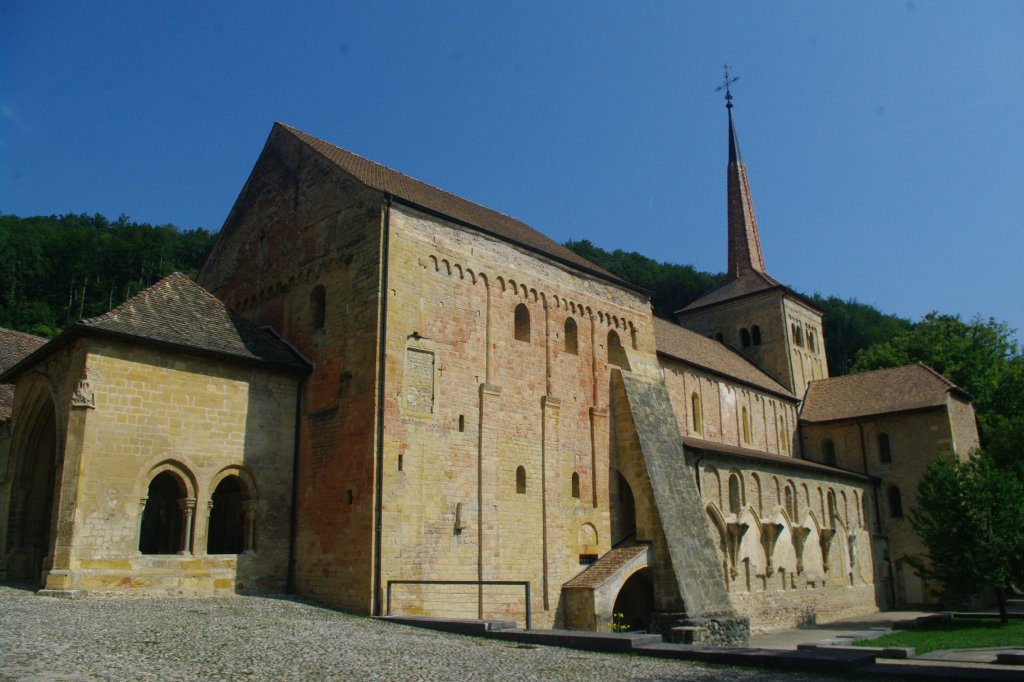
(421,194)
(700,351)
(14,346)
(178,313)
(898,389)
(768,457)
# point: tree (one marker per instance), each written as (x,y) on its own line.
(970,515)
(981,357)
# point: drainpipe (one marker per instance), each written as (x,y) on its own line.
(295,487)
(378,509)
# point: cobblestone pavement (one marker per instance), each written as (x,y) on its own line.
(143,638)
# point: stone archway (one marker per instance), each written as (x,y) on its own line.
(635,601)
(30,512)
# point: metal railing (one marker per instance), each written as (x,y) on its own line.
(525,584)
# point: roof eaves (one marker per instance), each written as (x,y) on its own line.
(724,450)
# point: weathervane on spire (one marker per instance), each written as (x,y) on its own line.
(725,86)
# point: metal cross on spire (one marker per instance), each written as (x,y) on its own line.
(725,86)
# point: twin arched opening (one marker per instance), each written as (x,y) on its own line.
(168,515)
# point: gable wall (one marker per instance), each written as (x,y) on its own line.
(300,223)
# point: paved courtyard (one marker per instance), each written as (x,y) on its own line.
(143,638)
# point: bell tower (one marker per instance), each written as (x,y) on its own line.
(770,324)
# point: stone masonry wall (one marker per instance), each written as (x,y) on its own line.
(787,554)
(298,225)
(773,420)
(916,439)
(469,401)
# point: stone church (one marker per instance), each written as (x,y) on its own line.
(383,396)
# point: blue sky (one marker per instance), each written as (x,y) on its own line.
(883,139)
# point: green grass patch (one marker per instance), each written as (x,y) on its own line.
(963,633)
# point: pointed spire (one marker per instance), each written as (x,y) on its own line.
(744,241)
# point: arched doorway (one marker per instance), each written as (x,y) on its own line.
(30,533)
(229,525)
(161,529)
(636,601)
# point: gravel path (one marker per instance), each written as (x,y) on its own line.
(262,638)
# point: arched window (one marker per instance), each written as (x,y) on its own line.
(746,426)
(810,339)
(755,333)
(895,502)
(521,480)
(790,503)
(576,485)
(616,353)
(522,323)
(783,440)
(745,337)
(230,518)
(884,451)
(831,507)
(696,413)
(161,530)
(317,307)
(828,451)
(571,344)
(735,499)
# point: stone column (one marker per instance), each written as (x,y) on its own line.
(188,508)
(487,489)
(249,536)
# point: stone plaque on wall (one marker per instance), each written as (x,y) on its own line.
(419,380)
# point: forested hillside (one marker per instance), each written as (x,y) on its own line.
(849,326)
(59,269)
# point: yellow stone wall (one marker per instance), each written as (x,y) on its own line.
(773,419)
(797,587)
(916,440)
(467,404)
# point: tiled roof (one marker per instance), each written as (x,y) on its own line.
(437,200)
(910,387)
(746,284)
(14,346)
(768,458)
(598,572)
(178,313)
(700,351)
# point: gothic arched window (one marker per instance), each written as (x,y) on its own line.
(755,333)
(745,337)
(317,307)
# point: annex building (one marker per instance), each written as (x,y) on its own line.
(378,392)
